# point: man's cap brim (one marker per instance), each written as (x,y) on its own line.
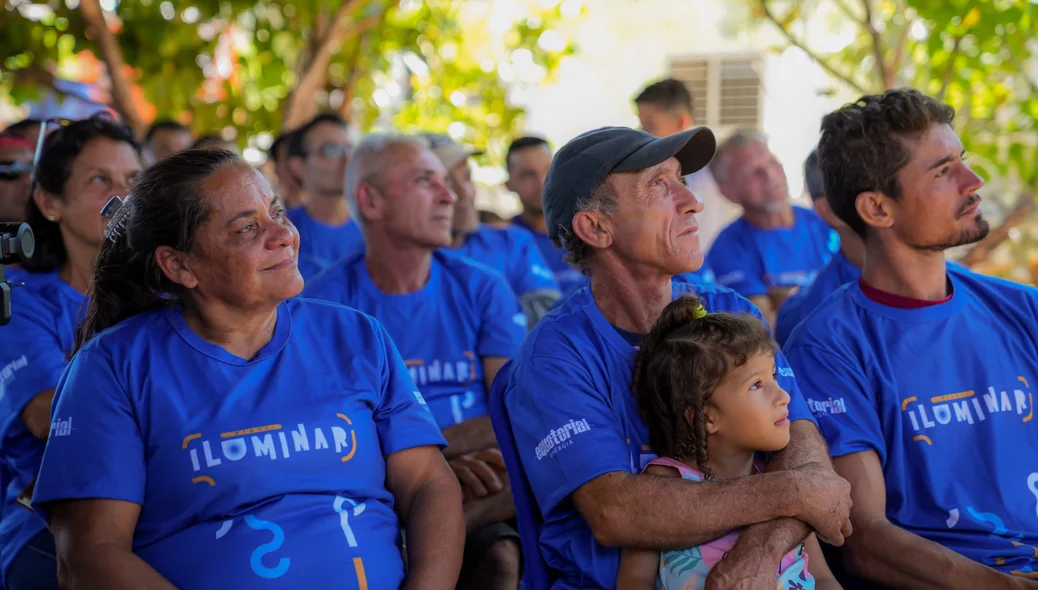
(693,149)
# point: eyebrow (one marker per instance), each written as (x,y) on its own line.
(943,161)
(249,212)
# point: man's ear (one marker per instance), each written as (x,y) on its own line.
(593,228)
(297,166)
(176,266)
(686,121)
(370,203)
(875,209)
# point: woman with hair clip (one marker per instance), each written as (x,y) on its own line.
(213,430)
(80,167)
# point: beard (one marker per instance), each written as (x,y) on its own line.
(977,231)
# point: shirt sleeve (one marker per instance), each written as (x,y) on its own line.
(529,271)
(503,323)
(840,398)
(31,362)
(565,430)
(736,268)
(402,419)
(95,449)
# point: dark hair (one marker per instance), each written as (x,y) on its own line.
(670,94)
(282,138)
(60,150)
(164,125)
(863,146)
(679,365)
(522,143)
(166,208)
(208,139)
(813,176)
(23,127)
(297,139)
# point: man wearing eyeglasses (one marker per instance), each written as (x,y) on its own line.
(15,176)
(318,152)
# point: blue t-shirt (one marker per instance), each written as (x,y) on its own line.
(465,312)
(513,253)
(838,272)
(943,396)
(574,418)
(324,244)
(36,343)
(751,260)
(704,276)
(271,472)
(569,278)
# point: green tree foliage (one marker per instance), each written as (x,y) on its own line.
(235,63)
(975,55)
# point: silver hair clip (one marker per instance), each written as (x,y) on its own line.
(117,212)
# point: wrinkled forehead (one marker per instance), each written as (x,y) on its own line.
(402,160)
(234,185)
(937,141)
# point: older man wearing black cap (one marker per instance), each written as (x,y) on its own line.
(615,200)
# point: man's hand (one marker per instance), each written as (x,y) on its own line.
(480,473)
(825,502)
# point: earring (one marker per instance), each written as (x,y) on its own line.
(52,218)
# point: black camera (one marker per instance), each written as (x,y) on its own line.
(17,244)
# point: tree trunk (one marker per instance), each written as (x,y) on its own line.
(122,96)
(299,106)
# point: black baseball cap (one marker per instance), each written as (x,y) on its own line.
(583,164)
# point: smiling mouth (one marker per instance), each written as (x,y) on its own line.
(783,420)
(971,206)
(283,264)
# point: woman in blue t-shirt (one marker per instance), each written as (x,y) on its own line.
(80,167)
(215,431)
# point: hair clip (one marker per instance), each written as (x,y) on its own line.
(700,312)
(117,212)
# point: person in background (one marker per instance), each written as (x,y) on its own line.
(455,322)
(919,374)
(168,465)
(510,251)
(844,267)
(317,155)
(527,161)
(665,108)
(28,129)
(15,176)
(214,142)
(706,386)
(492,219)
(774,248)
(616,200)
(81,167)
(289,188)
(165,137)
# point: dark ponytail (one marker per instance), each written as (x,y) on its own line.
(680,363)
(166,208)
(60,150)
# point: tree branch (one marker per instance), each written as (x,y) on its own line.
(792,40)
(982,250)
(899,51)
(949,71)
(111,54)
(299,105)
(877,47)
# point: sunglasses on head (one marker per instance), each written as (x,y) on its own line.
(333,150)
(13,170)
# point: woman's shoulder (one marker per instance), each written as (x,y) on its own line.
(324,314)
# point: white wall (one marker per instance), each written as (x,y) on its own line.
(624,44)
